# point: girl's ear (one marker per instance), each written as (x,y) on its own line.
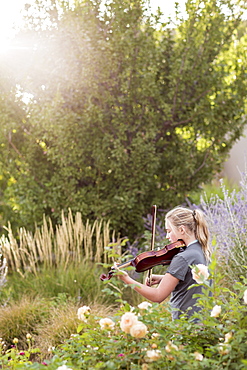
(182,229)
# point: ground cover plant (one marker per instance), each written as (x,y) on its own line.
(22,317)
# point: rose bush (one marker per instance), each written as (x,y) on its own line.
(144,337)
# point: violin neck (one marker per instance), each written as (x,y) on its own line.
(125,264)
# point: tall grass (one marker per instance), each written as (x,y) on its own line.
(71,241)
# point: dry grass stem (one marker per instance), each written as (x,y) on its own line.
(72,241)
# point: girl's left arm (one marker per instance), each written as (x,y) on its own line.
(159,294)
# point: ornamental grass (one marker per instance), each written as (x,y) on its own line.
(22,317)
(71,241)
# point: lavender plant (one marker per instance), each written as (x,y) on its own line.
(227,219)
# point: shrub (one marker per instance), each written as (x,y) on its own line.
(219,341)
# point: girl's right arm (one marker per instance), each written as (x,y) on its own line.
(155,279)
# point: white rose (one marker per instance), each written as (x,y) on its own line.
(216,311)
(170,346)
(200,273)
(144,305)
(106,323)
(155,335)
(138,330)
(64,367)
(128,320)
(245,296)
(228,336)
(82,312)
(198,356)
(154,355)
(223,349)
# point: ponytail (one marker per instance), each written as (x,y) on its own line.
(201,232)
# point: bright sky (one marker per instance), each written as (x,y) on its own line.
(10,12)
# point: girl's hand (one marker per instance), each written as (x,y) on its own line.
(155,279)
(121,274)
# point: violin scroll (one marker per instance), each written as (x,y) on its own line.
(104,277)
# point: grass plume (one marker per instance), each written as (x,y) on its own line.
(72,241)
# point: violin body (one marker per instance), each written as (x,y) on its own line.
(147,260)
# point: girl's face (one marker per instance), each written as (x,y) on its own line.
(172,233)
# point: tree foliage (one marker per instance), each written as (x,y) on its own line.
(126,110)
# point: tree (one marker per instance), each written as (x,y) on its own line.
(126,111)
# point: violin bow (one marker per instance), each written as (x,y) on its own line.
(154,211)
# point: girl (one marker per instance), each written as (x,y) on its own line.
(191,227)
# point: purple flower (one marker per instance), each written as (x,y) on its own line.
(227,220)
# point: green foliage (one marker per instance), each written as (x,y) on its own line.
(217,341)
(80,282)
(31,328)
(126,110)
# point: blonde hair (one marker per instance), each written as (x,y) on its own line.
(195,222)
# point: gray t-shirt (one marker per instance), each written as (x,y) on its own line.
(181,297)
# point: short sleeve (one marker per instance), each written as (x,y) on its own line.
(178,267)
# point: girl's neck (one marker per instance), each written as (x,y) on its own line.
(189,239)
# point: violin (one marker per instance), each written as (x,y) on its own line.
(147,260)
